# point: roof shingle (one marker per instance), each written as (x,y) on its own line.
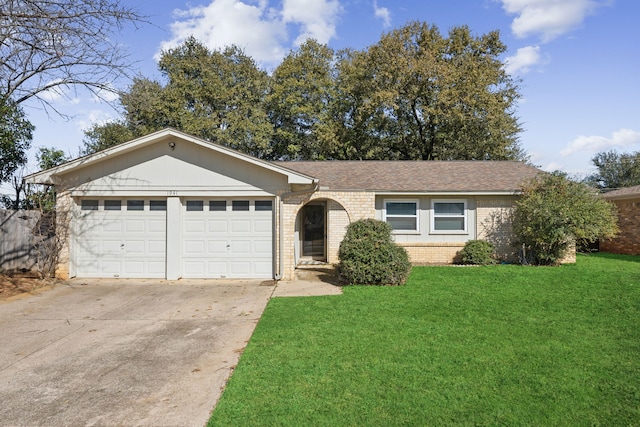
(417,176)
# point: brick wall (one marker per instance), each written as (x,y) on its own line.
(493,217)
(342,208)
(628,240)
(432,253)
(64,212)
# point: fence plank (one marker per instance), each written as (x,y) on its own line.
(17,238)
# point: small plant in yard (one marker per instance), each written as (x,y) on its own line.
(478,252)
(369,256)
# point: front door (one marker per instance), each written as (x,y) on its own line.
(313,231)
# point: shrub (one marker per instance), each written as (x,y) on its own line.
(554,213)
(478,252)
(369,256)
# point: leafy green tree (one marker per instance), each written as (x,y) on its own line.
(555,212)
(102,136)
(215,95)
(16,133)
(616,170)
(418,95)
(47,158)
(302,89)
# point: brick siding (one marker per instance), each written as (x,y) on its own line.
(628,240)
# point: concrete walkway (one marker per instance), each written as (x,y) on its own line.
(310,281)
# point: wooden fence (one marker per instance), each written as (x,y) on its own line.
(19,235)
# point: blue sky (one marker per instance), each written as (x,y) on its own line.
(579,60)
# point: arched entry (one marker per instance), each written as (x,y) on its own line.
(320,225)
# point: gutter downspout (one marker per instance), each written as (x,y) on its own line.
(315,188)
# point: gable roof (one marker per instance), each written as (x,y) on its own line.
(166,135)
(418,176)
(623,193)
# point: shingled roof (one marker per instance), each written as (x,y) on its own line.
(623,193)
(417,176)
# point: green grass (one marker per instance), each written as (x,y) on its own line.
(499,345)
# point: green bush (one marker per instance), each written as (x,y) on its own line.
(554,213)
(478,252)
(369,256)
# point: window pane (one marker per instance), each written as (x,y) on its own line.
(402,223)
(195,205)
(89,205)
(263,205)
(401,208)
(158,205)
(448,208)
(449,224)
(218,205)
(112,205)
(135,205)
(240,205)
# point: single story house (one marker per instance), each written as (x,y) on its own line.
(169,205)
(628,240)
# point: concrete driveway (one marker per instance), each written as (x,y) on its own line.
(123,352)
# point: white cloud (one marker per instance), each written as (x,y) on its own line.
(105,95)
(382,13)
(548,18)
(523,60)
(92,117)
(625,139)
(317,18)
(261,30)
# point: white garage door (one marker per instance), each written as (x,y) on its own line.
(121,238)
(227,238)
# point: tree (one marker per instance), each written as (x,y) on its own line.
(102,136)
(616,170)
(60,44)
(555,212)
(45,200)
(302,89)
(16,133)
(418,95)
(215,95)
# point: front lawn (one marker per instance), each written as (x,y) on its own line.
(500,345)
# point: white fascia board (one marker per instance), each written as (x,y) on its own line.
(45,177)
(448,193)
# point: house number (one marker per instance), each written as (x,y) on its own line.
(172,193)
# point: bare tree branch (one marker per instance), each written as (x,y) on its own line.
(49,44)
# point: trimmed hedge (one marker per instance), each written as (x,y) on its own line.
(478,252)
(369,256)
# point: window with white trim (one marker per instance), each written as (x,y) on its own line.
(402,215)
(449,216)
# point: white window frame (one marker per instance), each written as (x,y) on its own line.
(416,216)
(465,216)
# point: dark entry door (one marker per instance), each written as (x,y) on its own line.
(313,231)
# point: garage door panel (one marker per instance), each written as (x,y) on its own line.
(238,242)
(263,226)
(120,243)
(157,226)
(262,247)
(194,226)
(133,268)
(156,247)
(241,226)
(217,247)
(194,247)
(112,227)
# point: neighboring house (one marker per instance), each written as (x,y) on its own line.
(169,205)
(628,240)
